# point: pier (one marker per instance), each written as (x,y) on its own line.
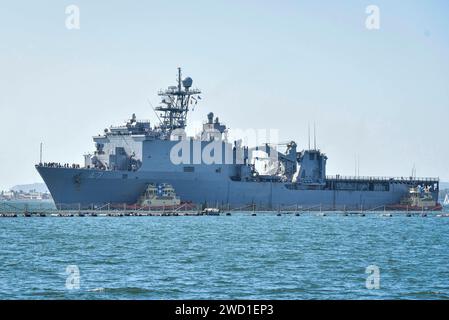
(68,214)
(169,213)
(13,211)
(89,213)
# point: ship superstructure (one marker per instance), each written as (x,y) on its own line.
(209,170)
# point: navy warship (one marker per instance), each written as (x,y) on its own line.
(210,171)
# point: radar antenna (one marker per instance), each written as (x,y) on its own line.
(175,102)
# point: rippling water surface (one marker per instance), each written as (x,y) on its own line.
(225,257)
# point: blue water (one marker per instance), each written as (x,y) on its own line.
(225,257)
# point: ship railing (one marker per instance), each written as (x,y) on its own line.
(382,178)
(124,127)
(59,165)
(175,90)
(77,166)
(143,120)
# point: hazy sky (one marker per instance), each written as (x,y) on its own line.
(382,94)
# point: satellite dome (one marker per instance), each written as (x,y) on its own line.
(187,82)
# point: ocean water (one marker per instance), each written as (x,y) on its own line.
(224,257)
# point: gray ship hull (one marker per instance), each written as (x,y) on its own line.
(87,187)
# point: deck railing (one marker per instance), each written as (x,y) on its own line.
(380,178)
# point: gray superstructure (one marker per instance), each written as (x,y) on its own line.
(211,171)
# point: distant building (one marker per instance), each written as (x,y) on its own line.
(7,195)
(21,195)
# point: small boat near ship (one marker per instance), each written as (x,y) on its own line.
(418,199)
(158,197)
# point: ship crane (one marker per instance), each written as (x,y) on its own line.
(286,162)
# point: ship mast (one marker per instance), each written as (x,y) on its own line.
(175,102)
